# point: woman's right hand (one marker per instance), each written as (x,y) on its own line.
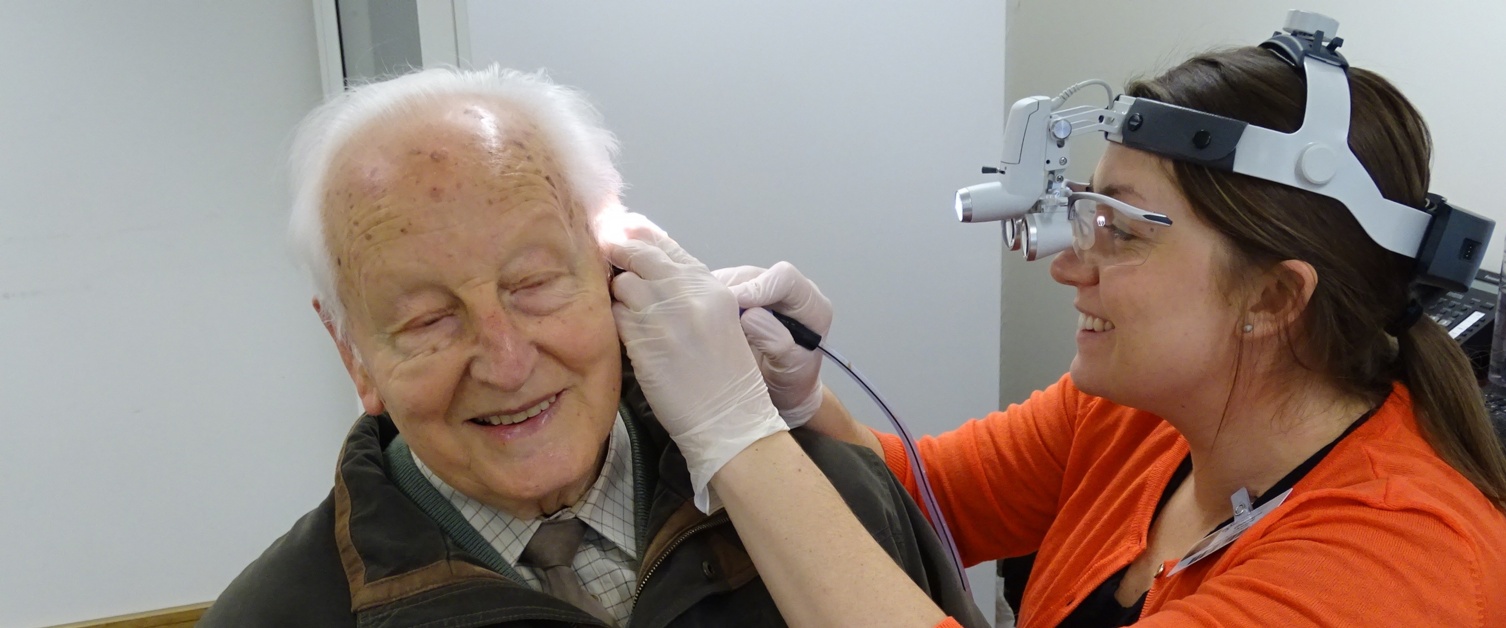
(679,326)
(792,372)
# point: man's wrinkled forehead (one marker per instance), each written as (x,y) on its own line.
(426,167)
(464,138)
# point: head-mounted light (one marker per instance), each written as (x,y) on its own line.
(1447,242)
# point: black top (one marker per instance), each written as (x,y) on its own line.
(1101,610)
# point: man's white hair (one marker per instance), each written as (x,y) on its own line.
(567,121)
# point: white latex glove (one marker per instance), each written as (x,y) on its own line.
(792,372)
(680,327)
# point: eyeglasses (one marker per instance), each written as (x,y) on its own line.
(1109,232)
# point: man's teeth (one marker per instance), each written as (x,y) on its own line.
(1093,323)
(509,419)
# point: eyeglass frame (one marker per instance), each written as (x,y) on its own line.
(1079,193)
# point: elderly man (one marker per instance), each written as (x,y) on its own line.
(506,470)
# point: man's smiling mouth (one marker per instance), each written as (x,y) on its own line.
(516,417)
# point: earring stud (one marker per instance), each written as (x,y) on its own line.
(1249,328)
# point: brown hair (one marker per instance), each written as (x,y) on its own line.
(1362,287)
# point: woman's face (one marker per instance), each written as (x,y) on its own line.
(1154,334)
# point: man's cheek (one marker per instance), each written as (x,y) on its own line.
(423,386)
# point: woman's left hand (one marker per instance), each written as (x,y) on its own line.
(792,372)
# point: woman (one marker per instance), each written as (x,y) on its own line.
(1259,367)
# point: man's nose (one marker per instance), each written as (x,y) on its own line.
(1069,268)
(505,352)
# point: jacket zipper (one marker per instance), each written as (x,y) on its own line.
(1157,587)
(671,548)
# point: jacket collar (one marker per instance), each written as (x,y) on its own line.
(391,550)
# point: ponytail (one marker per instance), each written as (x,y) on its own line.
(1449,407)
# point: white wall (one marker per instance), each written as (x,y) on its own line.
(1445,55)
(170,402)
(832,134)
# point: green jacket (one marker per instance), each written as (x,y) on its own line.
(386,549)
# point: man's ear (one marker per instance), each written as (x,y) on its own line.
(609,271)
(371,400)
(1280,297)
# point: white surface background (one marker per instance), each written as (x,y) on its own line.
(171,404)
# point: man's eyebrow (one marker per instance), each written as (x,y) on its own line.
(412,301)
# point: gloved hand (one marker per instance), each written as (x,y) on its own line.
(680,327)
(792,372)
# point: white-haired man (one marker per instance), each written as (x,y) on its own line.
(506,470)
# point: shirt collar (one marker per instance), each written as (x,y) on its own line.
(608,506)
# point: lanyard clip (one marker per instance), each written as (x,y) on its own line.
(1243,511)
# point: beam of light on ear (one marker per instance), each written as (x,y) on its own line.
(612,224)
(616,225)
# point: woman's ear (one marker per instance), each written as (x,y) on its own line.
(1279,298)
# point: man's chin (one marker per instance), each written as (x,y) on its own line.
(538,475)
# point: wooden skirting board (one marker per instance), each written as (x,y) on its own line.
(175,617)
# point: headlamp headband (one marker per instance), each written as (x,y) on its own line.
(1307,35)
(1448,242)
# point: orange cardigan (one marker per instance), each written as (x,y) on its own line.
(1381,532)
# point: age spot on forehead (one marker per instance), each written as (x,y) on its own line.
(371,183)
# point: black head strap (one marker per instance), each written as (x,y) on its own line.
(1294,47)
(1407,319)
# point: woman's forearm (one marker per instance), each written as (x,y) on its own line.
(821,566)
